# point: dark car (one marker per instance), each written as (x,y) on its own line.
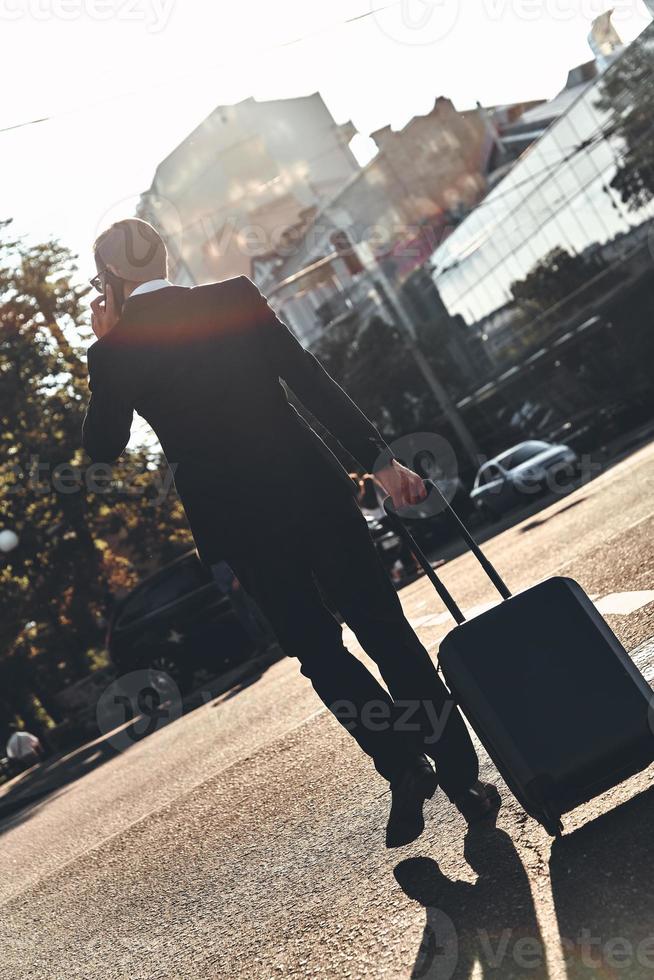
(387,542)
(177,621)
(430,524)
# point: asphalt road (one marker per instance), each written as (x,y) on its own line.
(246,839)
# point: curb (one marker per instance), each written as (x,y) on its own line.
(216,687)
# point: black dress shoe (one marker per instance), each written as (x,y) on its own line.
(479,802)
(409,792)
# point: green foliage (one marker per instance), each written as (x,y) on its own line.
(627,95)
(80,539)
(558,286)
(554,278)
(375,367)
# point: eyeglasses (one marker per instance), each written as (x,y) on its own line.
(98,282)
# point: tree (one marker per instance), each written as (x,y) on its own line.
(556,287)
(553,279)
(82,533)
(372,362)
(627,96)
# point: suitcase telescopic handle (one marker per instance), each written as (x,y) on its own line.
(490,570)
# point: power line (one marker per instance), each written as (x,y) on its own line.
(271,47)
(563,206)
(601,133)
(596,135)
(30,122)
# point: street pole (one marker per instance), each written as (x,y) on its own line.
(386,290)
(378,276)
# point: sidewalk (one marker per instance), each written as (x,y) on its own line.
(63,768)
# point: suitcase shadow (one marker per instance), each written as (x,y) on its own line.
(486,929)
(604,893)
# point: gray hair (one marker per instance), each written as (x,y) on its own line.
(134,249)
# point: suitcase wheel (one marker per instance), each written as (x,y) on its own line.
(539,791)
(552,823)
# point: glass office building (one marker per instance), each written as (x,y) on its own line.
(550,279)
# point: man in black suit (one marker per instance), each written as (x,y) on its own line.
(261,490)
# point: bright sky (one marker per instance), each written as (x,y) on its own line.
(126,80)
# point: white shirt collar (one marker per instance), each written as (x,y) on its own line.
(150,286)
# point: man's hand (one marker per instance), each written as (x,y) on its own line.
(104,316)
(404,486)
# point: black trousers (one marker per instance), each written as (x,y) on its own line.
(289,574)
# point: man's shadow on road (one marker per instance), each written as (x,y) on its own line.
(603,893)
(491,922)
(603,890)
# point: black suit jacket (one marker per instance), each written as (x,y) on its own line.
(203,367)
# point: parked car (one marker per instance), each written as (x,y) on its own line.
(519,473)
(387,542)
(177,621)
(432,531)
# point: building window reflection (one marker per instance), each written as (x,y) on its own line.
(563,240)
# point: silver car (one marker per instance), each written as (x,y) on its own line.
(519,473)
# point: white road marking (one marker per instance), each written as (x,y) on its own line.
(481,608)
(614,604)
(624,603)
(434,619)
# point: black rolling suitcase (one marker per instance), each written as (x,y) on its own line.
(551,692)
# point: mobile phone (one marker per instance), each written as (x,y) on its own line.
(114,283)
